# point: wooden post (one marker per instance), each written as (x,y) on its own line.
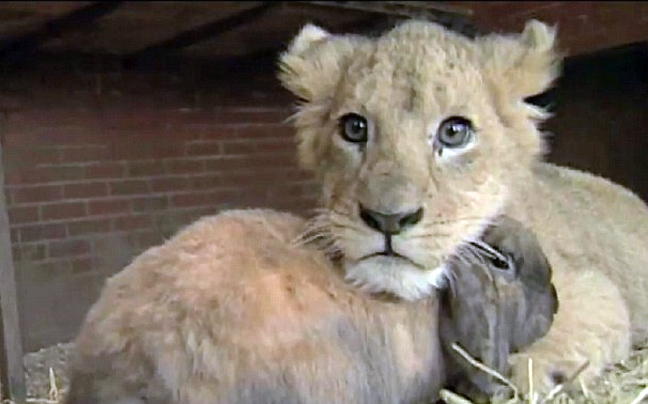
(12,371)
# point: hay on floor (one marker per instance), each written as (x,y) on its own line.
(625,383)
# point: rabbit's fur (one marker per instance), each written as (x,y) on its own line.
(230,310)
(500,298)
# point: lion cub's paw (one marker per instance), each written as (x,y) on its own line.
(548,371)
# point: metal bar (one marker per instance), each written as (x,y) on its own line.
(12,372)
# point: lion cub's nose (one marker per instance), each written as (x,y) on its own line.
(393,223)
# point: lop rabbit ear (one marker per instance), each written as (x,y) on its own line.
(534,269)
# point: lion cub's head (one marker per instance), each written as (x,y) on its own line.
(418,139)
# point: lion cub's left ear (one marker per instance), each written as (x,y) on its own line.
(525,64)
(314,62)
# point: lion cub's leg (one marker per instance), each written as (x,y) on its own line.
(592,324)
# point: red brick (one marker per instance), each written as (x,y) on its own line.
(239,147)
(255,132)
(109,207)
(104,170)
(218,133)
(37,194)
(142,118)
(284,146)
(299,205)
(23,214)
(17,158)
(281,145)
(204,149)
(185,166)
(256,115)
(63,210)
(277,160)
(43,175)
(227,163)
(169,184)
(145,239)
(93,226)
(131,222)
(68,248)
(136,148)
(32,252)
(83,154)
(150,203)
(81,264)
(145,168)
(52,269)
(258,177)
(207,182)
(207,198)
(260,162)
(85,190)
(12,177)
(42,232)
(129,187)
(171,222)
(15,253)
(70,121)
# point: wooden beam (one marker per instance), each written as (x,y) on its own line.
(208,30)
(400,8)
(455,18)
(12,372)
(54,28)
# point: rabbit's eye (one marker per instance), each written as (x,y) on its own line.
(500,263)
(493,256)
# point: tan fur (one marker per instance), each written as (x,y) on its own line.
(405,83)
(231,311)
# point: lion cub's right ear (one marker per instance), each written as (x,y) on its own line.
(525,64)
(313,63)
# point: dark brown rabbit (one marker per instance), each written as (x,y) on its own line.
(500,298)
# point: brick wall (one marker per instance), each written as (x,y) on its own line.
(94,179)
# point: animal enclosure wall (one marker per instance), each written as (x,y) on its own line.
(601,115)
(101,165)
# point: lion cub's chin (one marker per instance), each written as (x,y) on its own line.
(380,274)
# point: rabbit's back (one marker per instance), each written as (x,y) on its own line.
(229,310)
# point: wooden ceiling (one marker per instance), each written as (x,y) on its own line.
(229,30)
(200,29)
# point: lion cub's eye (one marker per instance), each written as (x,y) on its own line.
(354,128)
(455,132)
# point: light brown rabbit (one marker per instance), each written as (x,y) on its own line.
(229,311)
(500,298)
